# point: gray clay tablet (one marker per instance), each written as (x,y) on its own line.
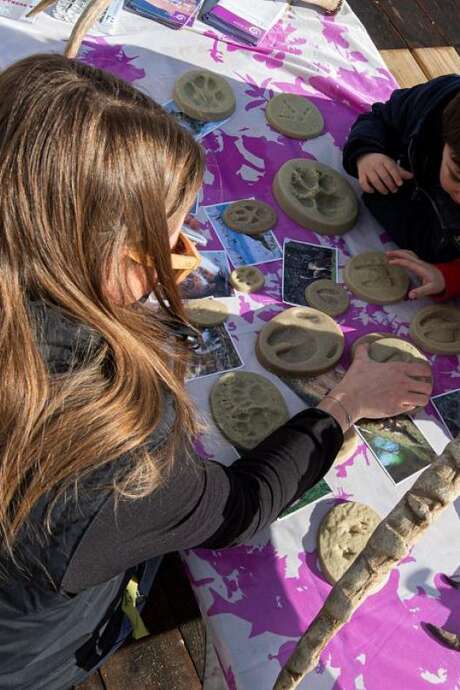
(247,408)
(367,339)
(247,279)
(300,342)
(206,313)
(395,350)
(204,95)
(342,535)
(250,217)
(328,297)
(436,329)
(371,278)
(316,196)
(294,116)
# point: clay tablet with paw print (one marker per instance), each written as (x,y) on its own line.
(300,342)
(247,407)
(294,116)
(371,278)
(316,196)
(204,96)
(250,217)
(436,329)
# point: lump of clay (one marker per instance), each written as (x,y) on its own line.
(327,296)
(247,408)
(294,116)
(247,279)
(204,95)
(342,535)
(206,313)
(436,329)
(250,217)
(316,196)
(371,278)
(300,342)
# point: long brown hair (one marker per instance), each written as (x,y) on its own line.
(88,166)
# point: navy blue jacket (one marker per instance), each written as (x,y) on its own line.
(408,128)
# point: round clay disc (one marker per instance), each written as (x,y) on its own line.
(342,535)
(300,342)
(294,116)
(206,313)
(436,329)
(349,446)
(316,196)
(204,95)
(394,350)
(367,339)
(371,278)
(327,296)
(250,217)
(247,279)
(247,408)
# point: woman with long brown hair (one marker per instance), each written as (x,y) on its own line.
(97,476)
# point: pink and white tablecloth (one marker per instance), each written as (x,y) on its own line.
(258,598)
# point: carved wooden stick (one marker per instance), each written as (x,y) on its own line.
(329,6)
(434,490)
(88,17)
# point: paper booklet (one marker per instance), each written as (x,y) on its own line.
(247,21)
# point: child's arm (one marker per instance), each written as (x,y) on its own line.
(386,129)
(439,281)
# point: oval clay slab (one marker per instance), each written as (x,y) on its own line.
(328,297)
(206,313)
(247,279)
(294,116)
(316,196)
(250,217)
(436,329)
(247,408)
(371,278)
(300,342)
(342,535)
(204,95)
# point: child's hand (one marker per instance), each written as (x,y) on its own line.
(377,172)
(432,279)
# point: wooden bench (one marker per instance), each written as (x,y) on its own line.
(415,66)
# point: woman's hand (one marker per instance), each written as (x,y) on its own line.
(375,390)
(380,173)
(433,282)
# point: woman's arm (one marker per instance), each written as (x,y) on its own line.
(206,504)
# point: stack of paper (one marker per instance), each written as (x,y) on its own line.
(246,21)
(172,13)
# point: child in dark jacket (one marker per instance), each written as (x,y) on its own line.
(406,156)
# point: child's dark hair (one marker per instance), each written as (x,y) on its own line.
(451,127)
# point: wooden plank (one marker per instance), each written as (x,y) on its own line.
(437,61)
(184,608)
(445,15)
(404,67)
(411,22)
(154,663)
(94,682)
(377,24)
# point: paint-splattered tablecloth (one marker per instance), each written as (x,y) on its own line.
(258,598)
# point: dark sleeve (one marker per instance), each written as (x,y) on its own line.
(204,503)
(388,126)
